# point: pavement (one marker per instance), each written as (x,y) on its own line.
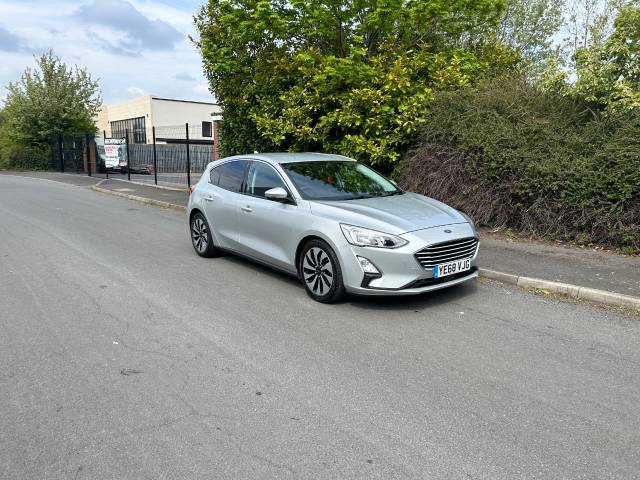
(590,268)
(124,355)
(177,197)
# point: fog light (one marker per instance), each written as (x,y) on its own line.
(367,266)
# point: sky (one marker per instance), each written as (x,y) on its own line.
(133,47)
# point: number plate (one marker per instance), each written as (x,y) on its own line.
(451,268)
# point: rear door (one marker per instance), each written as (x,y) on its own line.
(221,198)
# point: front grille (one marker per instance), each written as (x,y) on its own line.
(447,252)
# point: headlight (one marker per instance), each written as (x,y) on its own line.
(468,219)
(363,237)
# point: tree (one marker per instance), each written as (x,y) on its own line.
(588,23)
(529,26)
(348,76)
(50,99)
(608,75)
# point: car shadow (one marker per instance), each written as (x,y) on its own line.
(260,268)
(420,301)
(403,302)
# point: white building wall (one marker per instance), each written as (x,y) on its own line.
(166,112)
(159,112)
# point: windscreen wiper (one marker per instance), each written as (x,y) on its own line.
(359,197)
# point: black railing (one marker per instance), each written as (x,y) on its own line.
(175,156)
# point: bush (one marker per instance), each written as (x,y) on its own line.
(16,157)
(511,155)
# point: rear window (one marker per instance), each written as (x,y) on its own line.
(229,175)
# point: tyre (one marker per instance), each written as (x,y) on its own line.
(201,237)
(320,272)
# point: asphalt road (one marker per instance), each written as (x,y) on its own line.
(124,355)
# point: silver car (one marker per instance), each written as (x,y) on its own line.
(334,223)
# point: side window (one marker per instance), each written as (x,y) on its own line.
(214,176)
(231,175)
(262,177)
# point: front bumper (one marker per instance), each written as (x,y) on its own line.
(401,273)
(469,275)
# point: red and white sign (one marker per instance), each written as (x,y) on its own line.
(115,152)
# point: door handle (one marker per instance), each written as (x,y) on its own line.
(208,199)
(247,209)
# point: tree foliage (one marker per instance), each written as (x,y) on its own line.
(529,26)
(349,76)
(506,119)
(609,74)
(50,99)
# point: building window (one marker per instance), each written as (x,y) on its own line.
(206,129)
(136,126)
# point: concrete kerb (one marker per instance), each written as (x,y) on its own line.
(572,291)
(162,187)
(135,198)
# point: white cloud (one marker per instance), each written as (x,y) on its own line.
(185,77)
(201,89)
(107,49)
(136,92)
(131,31)
(10,42)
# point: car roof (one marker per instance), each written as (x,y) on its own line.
(289,157)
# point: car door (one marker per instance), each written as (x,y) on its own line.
(221,199)
(268,228)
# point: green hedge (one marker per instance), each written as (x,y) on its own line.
(16,157)
(511,155)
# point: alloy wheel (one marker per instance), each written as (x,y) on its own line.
(199,235)
(317,271)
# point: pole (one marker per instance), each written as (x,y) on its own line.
(87,153)
(104,147)
(215,140)
(53,151)
(126,142)
(61,152)
(96,156)
(155,159)
(188,157)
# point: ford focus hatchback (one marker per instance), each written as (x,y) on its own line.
(336,224)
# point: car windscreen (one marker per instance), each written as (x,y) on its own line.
(337,180)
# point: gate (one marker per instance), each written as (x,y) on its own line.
(75,153)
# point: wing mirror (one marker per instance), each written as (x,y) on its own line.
(277,194)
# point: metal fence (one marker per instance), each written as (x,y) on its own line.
(75,153)
(176,155)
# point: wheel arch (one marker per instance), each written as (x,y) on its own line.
(313,236)
(192,213)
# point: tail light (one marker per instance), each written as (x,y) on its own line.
(192,188)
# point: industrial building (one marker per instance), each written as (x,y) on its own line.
(169,116)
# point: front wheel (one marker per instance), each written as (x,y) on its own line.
(321,273)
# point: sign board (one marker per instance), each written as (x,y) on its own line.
(115,152)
